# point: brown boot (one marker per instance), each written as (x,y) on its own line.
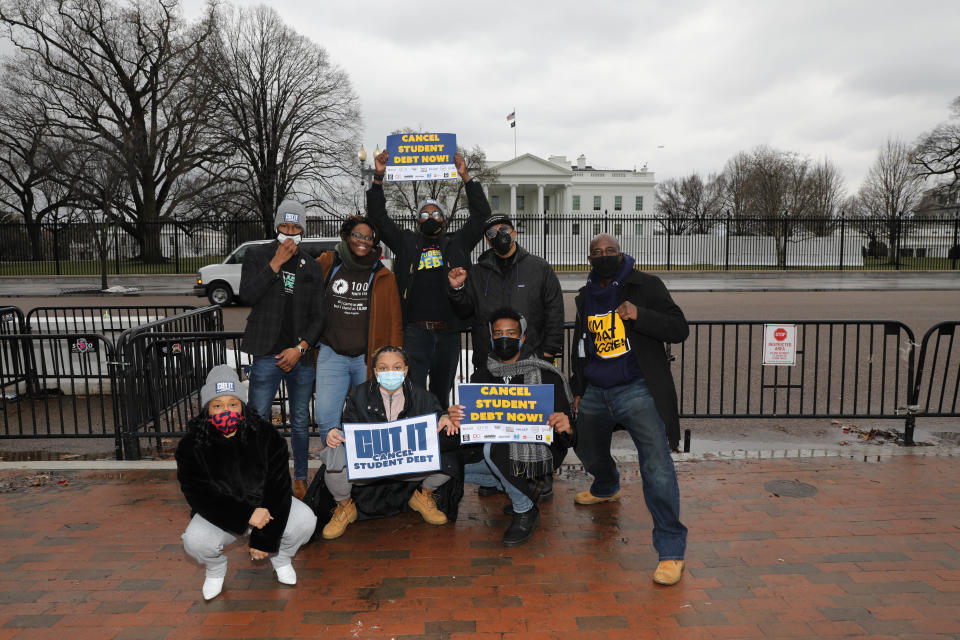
(422,502)
(344,513)
(299,489)
(668,572)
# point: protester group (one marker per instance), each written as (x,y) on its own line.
(367,344)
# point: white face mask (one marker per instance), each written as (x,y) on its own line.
(296,239)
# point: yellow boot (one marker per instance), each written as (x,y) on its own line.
(343,514)
(422,502)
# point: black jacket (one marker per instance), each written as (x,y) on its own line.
(529,286)
(659,320)
(225,479)
(500,451)
(407,244)
(389,496)
(262,289)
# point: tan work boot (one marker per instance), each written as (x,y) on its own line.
(422,502)
(668,572)
(585,497)
(299,489)
(343,514)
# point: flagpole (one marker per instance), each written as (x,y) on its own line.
(514,134)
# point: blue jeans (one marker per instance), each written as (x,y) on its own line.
(486,474)
(265,378)
(632,406)
(436,353)
(336,374)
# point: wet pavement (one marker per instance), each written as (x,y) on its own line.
(820,547)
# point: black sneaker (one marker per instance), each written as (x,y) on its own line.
(522,527)
(486,492)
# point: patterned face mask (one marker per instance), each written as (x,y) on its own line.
(226,422)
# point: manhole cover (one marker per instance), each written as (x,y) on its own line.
(790,488)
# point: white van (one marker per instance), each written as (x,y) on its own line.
(220,283)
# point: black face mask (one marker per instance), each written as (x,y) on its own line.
(605,266)
(502,242)
(505,347)
(430,227)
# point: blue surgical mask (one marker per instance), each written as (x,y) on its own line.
(390,380)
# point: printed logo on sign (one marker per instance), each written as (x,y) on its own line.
(609,335)
(226,387)
(430,259)
(339,286)
(82,345)
(288,280)
(292,217)
(780,334)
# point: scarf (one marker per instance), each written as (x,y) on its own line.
(356,263)
(528,459)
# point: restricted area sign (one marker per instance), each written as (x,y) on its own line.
(780,344)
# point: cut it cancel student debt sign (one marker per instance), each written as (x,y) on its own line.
(421,156)
(506,412)
(384,449)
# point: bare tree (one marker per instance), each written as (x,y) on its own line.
(828,192)
(689,205)
(735,193)
(889,193)
(288,113)
(125,79)
(28,155)
(407,196)
(937,153)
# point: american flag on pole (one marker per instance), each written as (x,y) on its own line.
(512,118)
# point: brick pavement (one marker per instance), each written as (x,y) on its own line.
(875,552)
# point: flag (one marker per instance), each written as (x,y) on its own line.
(513,124)
(513,114)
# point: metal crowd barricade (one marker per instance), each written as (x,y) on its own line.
(57,386)
(936,390)
(108,320)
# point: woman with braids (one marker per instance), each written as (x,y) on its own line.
(234,472)
(362,314)
(388,397)
(522,470)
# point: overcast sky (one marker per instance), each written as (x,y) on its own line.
(614,80)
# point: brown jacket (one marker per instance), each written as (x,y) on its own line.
(385,326)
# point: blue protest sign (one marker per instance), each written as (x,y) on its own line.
(384,449)
(421,156)
(506,412)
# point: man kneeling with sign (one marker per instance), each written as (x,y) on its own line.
(511,393)
(391,437)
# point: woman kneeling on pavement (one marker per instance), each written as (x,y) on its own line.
(389,397)
(234,472)
(523,470)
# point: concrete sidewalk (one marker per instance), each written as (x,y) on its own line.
(805,548)
(675,281)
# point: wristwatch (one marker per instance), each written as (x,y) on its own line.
(302,349)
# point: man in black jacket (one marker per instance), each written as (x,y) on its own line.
(431,335)
(285,290)
(622,376)
(507,275)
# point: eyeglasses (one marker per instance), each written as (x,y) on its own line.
(362,238)
(426,215)
(492,231)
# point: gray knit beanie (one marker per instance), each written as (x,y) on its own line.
(292,212)
(222,381)
(424,203)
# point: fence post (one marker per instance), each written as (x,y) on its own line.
(56,246)
(176,248)
(842,231)
(668,247)
(726,260)
(954,248)
(116,247)
(784,233)
(896,254)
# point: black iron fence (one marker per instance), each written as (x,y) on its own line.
(78,384)
(718,243)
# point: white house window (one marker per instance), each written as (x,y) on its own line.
(495,202)
(575,229)
(618,229)
(596,228)
(546,203)
(638,229)
(618,203)
(519,203)
(596,203)
(576,203)
(638,204)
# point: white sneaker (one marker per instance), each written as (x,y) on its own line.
(286,575)
(212,588)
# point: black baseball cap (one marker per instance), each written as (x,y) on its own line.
(498,219)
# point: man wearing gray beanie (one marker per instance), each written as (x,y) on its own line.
(285,291)
(431,333)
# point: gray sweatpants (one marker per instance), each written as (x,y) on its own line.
(339,486)
(204,541)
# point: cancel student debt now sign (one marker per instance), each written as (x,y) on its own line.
(506,412)
(421,156)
